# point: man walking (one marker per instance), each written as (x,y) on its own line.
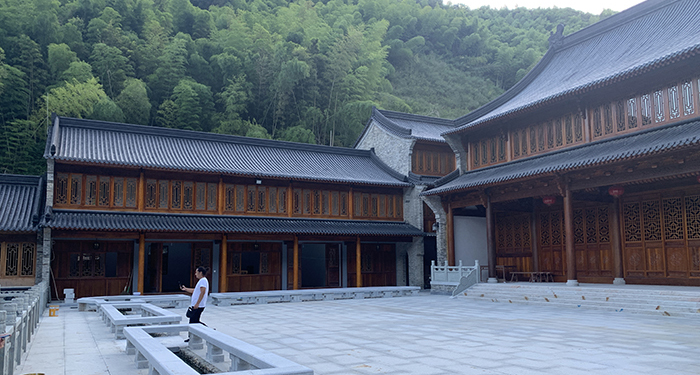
(199,295)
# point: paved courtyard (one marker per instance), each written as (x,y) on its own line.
(410,335)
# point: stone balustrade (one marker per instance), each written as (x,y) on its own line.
(444,278)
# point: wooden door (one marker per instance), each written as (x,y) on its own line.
(201,256)
(592,244)
(551,242)
(513,242)
(332,265)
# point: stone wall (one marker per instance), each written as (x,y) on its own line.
(392,150)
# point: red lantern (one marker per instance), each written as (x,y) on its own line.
(549,200)
(616,191)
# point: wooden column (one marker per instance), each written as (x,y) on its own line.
(142,262)
(450,236)
(358,262)
(569,230)
(141,199)
(222,197)
(295,276)
(616,240)
(351,205)
(223,266)
(290,200)
(490,241)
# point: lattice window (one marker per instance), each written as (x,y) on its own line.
(61,195)
(597,123)
(28,252)
(428,161)
(118,196)
(131,192)
(502,148)
(550,134)
(516,144)
(103,192)
(673,218)
(545,229)
(366,261)
(578,127)
(540,137)
(493,150)
(674,110)
(236,263)
(399,207)
(12,258)
(282,201)
(365,205)
(296,201)
(646,109)
(264,263)
(335,209)
(240,198)
(500,232)
(632,218)
(607,119)
(76,182)
(692,216)
(374,201)
(308,202)
(603,225)
(578,226)
(556,228)
(200,196)
(591,230)
(176,195)
(262,199)
(509,232)
(688,100)
(229,197)
(526,232)
(475,154)
(90,190)
(343,204)
(188,195)
(620,115)
(163,188)
(151,192)
(74,265)
(272,206)
(558,134)
(99,265)
(652,220)
(325,198)
(357,202)
(533,140)
(86,266)
(250,207)
(632,113)
(212,190)
(390,208)
(317,202)
(484,153)
(523,141)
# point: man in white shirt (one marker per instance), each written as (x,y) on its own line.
(199,294)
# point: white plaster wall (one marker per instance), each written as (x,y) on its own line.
(392,150)
(470,240)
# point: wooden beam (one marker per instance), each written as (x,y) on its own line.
(664,171)
(142,262)
(490,239)
(141,200)
(295,276)
(569,230)
(358,263)
(615,237)
(223,266)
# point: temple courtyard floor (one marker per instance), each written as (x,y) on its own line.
(425,334)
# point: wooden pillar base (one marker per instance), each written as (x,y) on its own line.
(572,282)
(619,281)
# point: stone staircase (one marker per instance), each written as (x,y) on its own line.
(641,299)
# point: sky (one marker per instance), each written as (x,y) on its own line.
(590,6)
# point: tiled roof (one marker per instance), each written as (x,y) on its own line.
(410,126)
(661,139)
(648,35)
(20,202)
(155,222)
(99,142)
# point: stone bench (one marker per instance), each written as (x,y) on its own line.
(301,295)
(150,315)
(162,300)
(245,358)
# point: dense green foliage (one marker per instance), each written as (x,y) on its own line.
(299,71)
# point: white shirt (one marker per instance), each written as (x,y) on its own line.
(202,283)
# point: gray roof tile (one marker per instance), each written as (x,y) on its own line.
(78,140)
(156,222)
(20,202)
(661,139)
(410,126)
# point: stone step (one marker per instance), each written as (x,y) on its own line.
(563,290)
(604,297)
(648,305)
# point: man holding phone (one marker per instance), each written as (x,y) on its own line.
(199,295)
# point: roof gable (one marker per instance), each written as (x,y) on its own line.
(409,126)
(99,142)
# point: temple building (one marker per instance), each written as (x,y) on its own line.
(588,168)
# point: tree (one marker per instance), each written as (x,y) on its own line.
(187,107)
(60,58)
(14,94)
(79,71)
(74,99)
(111,66)
(133,101)
(107,110)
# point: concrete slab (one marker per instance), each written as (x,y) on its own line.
(417,335)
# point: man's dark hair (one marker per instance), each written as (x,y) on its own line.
(203,270)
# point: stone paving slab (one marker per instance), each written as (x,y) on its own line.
(418,335)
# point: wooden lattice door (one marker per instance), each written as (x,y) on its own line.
(592,242)
(513,241)
(551,242)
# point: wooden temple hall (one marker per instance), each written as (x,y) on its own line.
(138,209)
(589,168)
